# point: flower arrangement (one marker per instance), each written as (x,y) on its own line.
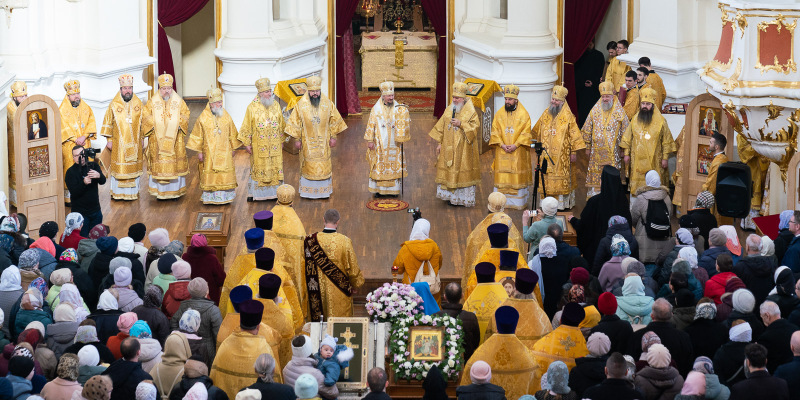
(452,361)
(392,301)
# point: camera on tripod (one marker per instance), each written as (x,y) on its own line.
(538,146)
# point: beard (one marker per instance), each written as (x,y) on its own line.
(511,108)
(554,110)
(217,111)
(314,101)
(165,98)
(606,106)
(75,103)
(16,101)
(267,103)
(645,116)
(127,97)
(457,107)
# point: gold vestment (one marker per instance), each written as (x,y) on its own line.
(233,366)
(565,343)
(533,322)
(387,127)
(615,73)
(277,318)
(602,132)
(216,138)
(290,304)
(511,362)
(476,244)
(263,129)
(11,109)
(657,84)
(242,264)
(166,123)
(230,325)
(75,122)
(512,171)
(647,146)
(288,228)
(458,164)
(122,124)
(561,137)
(711,180)
(339,250)
(484,301)
(314,127)
(759,167)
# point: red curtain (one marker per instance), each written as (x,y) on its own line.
(345,88)
(581,21)
(436,10)
(171,13)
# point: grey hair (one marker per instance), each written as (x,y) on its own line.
(265,366)
(754,242)
(770,308)
(522,296)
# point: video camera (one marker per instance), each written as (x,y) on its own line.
(538,146)
(89,155)
(415,213)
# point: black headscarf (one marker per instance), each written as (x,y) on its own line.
(434,385)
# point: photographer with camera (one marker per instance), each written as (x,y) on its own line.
(82,179)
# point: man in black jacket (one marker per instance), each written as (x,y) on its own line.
(677,341)
(378,382)
(617,330)
(82,179)
(755,270)
(127,372)
(469,322)
(759,385)
(776,336)
(615,386)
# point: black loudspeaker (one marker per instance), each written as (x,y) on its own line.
(734,190)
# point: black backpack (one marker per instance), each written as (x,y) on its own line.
(656,222)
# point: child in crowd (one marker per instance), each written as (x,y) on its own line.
(331,358)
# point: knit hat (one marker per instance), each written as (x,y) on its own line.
(97,388)
(635,266)
(506,318)
(254,238)
(198,288)
(181,270)
(122,276)
(550,206)
(48,229)
(741,333)
(498,235)
(190,321)
(263,220)
(60,276)
(306,387)
(64,313)
(558,378)
(28,260)
(20,366)
(88,355)
(198,391)
(107,245)
(195,368)
(68,367)
(268,286)
(146,390)
(484,272)
(238,295)
(526,280)
(199,240)
(165,263)
(250,312)
(305,350)
(137,232)
(598,344)
(328,340)
(684,237)
(126,321)
(249,394)
(658,356)
(125,245)
(607,303)
(705,311)
(743,301)
(480,372)
(716,237)
(159,237)
(141,330)
(579,276)
(572,314)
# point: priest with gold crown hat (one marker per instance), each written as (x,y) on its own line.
(78,126)
(122,128)
(289,229)
(389,126)
(230,324)
(165,122)
(565,343)
(558,131)
(511,139)
(314,124)
(602,132)
(458,168)
(486,297)
(647,142)
(262,135)
(478,239)
(534,323)
(214,138)
(19,92)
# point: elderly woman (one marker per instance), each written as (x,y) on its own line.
(87,337)
(167,374)
(150,312)
(689,255)
(150,353)
(417,252)
(159,239)
(70,295)
(88,364)
(61,333)
(713,388)
(29,267)
(551,274)
(66,384)
(702,215)
(97,388)
(617,225)
(658,380)
(555,383)
(683,239)
(784,292)
(106,316)
(10,292)
(69,260)
(634,306)
(543,218)
(205,264)
(127,297)
(72,231)
(195,372)
(124,324)
(188,325)
(612,269)
(481,387)
(57,279)
(705,333)
(174,248)
(31,310)
(264,367)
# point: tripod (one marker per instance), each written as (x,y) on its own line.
(539,173)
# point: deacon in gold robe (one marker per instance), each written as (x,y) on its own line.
(315,123)
(265,263)
(647,142)
(512,364)
(533,320)
(77,126)
(759,166)
(214,138)
(289,229)
(511,139)
(615,73)
(458,168)
(558,131)
(19,92)
(478,239)
(601,132)
(388,127)
(716,146)
(262,136)
(268,289)
(486,297)
(643,80)
(122,128)
(654,80)
(676,176)
(498,239)
(165,121)
(233,366)
(565,343)
(230,324)
(632,95)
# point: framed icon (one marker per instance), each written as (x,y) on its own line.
(209,221)
(38,161)
(473,88)
(710,120)
(353,333)
(37,124)
(426,343)
(704,159)
(298,89)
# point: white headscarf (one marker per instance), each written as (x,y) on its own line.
(767,246)
(652,179)
(689,254)
(421,230)
(74,221)
(107,301)
(70,294)
(10,279)
(547,247)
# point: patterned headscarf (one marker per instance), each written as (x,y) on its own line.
(785,216)
(650,338)
(86,334)
(69,255)
(705,199)
(68,367)
(620,246)
(146,391)
(153,296)
(558,377)
(40,284)
(703,364)
(6,242)
(190,321)
(141,330)
(10,223)
(547,247)
(99,231)
(617,220)
(74,221)
(733,239)
(577,294)
(32,299)
(705,311)
(28,260)
(97,387)
(175,247)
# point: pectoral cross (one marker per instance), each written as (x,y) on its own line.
(315,120)
(347,335)
(509,130)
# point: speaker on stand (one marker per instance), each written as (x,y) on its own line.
(734,190)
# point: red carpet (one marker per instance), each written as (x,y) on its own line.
(417,100)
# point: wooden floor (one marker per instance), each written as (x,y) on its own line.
(376,236)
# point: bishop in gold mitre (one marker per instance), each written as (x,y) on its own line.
(214,138)
(565,344)
(558,131)
(534,323)
(486,297)
(289,229)
(77,125)
(165,122)
(458,168)
(511,139)
(315,123)
(647,142)
(602,132)
(262,136)
(389,126)
(122,128)
(230,324)
(19,92)
(478,239)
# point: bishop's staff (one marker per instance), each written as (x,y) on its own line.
(402,161)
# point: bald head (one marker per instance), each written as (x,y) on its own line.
(662,311)
(795,343)
(452,293)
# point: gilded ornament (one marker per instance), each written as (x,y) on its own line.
(774,112)
(741,21)
(732,82)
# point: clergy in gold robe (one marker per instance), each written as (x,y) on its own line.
(643,80)
(77,125)
(214,138)
(478,239)
(486,297)
(511,139)
(533,320)
(289,229)
(498,238)
(676,176)
(759,166)
(602,132)
(511,363)
(632,95)
(332,274)
(262,135)
(654,80)
(165,122)
(230,324)
(19,92)
(314,124)
(458,168)
(233,366)
(558,131)
(122,128)
(388,127)
(716,146)
(267,264)
(565,343)
(647,142)
(615,73)
(268,290)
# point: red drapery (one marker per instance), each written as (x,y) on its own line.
(171,13)
(437,13)
(345,88)
(582,19)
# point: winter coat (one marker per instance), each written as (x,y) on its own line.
(729,363)
(412,254)
(25,317)
(683,316)
(106,321)
(603,253)
(706,336)
(105,354)
(611,272)
(72,240)
(789,372)
(206,265)
(99,268)
(618,330)
(757,274)
(486,391)
(776,339)
(650,287)
(150,354)
(210,321)
(715,390)
(60,389)
(782,242)
(469,324)
(7,300)
(715,286)
(613,389)
(708,260)
(274,390)
(84,283)
(156,320)
(678,343)
(87,371)
(47,263)
(332,367)
(659,383)
(587,372)
(214,393)
(128,299)
(752,318)
(23,388)
(786,303)
(87,251)
(178,292)
(705,221)
(308,365)
(125,375)
(163,281)
(760,386)
(633,306)
(60,335)
(168,373)
(648,248)
(47,360)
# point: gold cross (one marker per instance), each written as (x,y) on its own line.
(315,120)
(510,130)
(347,335)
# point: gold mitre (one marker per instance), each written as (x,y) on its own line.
(606,88)
(286,194)
(165,80)
(648,95)
(511,91)
(387,88)
(19,88)
(214,95)
(126,80)
(560,93)
(72,87)
(314,83)
(459,89)
(497,202)
(262,85)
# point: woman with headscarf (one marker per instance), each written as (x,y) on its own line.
(125,249)
(150,353)
(702,216)
(557,384)
(150,312)
(29,266)
(122,289)
(102,261)
(33,334)
(729,359)
(47,256)
(617,225)
(106,316)
(88,364)
(784,292)
(174,248)
(57,279)
(195,371)
(658,380)
(785,236)
(159,239)
(87,337)
(694,387)
(768,249)
(205,264)
(61,333)
(188,325)
(80,278)
(634,306)
(49,230)
(552,274)
(481,387)
(72,231)
(97,388)
(124,324)
(168,373)
(732,242)
(612,269)
(592,225)
(70,295)
(683,239)
(10,293)
(713,388)
(66,383)
(419,251)
(31,310)
(689,255)
(705,333)
(649,248)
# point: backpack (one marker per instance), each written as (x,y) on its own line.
(656,222)
(431,279)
